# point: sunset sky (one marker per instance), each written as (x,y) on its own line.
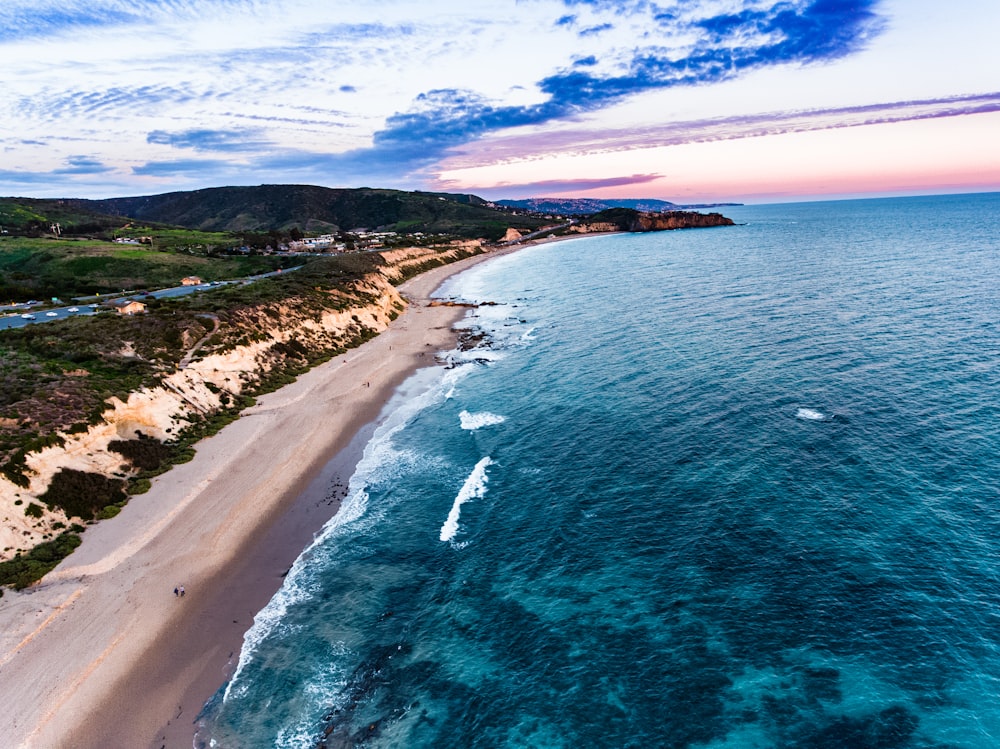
(685,100)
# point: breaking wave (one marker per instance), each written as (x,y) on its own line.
(473,488)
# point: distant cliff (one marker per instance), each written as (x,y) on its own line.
(627,219)
(581,206)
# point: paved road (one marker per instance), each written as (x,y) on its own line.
(13,316)
(15,320)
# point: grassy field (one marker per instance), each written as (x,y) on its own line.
(40,268)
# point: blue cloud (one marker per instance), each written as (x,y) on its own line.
(822,30)
(90,103)
(18,177)
(804,32)
(28,19)
(614,5)
(355,32)
(576,185)
(83,165)
(724,46)
(24,23)
(210,140)
(181,167)
(594,30)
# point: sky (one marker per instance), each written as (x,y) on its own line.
(691,101)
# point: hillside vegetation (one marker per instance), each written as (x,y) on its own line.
(315,209)
(44,267)
(63,248)
(92,408)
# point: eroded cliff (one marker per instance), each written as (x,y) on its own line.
(256,347)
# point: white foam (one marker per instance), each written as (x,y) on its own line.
(473,488)
(471,422)
(810,414)
(423,389)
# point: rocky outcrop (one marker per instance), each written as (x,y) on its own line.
(626,219)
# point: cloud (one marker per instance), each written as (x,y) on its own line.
(725,46)
(210,140)
(545,187)
(19,22)
(593,30)
(117,99)
(355,33)
(83,165)
(821,29)
(181,167)
(19,177)
(27,19)
(231,77)
(517,147)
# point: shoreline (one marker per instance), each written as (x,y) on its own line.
(104,636)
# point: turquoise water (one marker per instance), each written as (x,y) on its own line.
(723,488)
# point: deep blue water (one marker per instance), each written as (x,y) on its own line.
(723,488)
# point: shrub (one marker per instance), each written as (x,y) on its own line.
(139,486)
(109,512)
(23,570)
(33,510)
(82,495)
(145,452)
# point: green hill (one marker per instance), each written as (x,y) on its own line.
(314,209)
(36,216)
(267,208)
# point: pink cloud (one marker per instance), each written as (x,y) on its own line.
(501,149)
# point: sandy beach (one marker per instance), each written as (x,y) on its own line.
(103,653)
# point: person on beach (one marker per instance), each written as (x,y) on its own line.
(176,591)
(182,591)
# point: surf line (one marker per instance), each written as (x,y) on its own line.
(473,488)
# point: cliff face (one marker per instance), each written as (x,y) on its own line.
(627,219)
(275,338)
(677,220)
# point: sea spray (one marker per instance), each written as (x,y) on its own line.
(473,421)
(423,389)
(473,488)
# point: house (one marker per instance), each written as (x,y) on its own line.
(128,307)
(191,281)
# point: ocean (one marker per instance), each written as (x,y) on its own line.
(728,488)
